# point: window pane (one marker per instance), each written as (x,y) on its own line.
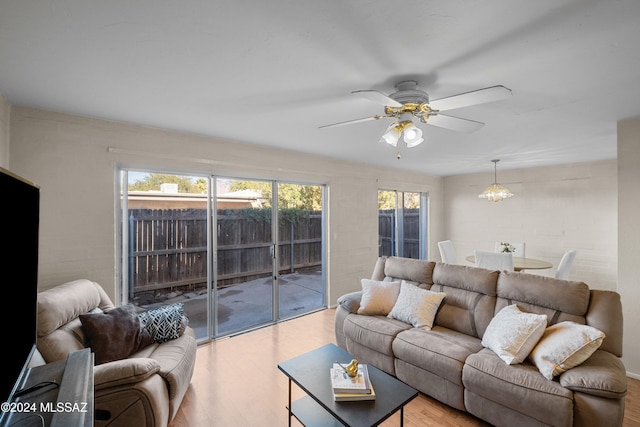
(386,223)
(300,249)
(167,243)
(411,225)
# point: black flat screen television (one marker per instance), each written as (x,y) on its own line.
(20,222)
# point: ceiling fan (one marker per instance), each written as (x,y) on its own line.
(410,102)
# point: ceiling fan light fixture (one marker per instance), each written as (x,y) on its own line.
(391,135)
(412,135)
(495,192)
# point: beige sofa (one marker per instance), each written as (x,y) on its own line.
(450,363)
(144,389)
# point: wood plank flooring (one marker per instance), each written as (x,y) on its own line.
(237,381)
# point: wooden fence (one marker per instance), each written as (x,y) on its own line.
(410,228)
(168,248)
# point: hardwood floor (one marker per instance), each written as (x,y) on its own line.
(237,381)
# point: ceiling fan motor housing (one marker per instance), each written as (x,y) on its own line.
(408,93)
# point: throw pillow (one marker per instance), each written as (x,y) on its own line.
(512,333)
(563,346)
(378,297)
(416,306)
(164,323)
(115,334)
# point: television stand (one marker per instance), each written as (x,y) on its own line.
(70,404)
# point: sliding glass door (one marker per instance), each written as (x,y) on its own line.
(300,249)
(245,255)
(165,243)
(236,253)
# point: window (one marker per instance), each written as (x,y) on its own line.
(402,221)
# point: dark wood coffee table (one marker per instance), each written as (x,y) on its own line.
(310,372)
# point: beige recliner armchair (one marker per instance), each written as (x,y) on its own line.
(144,389)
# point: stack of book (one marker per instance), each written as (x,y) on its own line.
(346,388)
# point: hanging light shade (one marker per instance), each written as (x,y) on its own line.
(412,134)
(392,134)
(495,192)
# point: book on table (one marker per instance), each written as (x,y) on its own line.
(352,397)
(346,387)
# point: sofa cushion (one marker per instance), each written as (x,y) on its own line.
(440,351)
(563,346)
(416,306)
(520,387)
(374,332)
(560,299)
(164,323)
(378,297)
(115,334)
(471,297)
(413,270)
(512,333)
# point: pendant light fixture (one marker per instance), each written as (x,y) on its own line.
(495,192)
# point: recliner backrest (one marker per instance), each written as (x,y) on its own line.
(59,327)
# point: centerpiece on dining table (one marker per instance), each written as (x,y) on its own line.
(507,248)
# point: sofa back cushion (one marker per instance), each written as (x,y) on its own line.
(418,271)
(59,327)
(471,297)
(560,300)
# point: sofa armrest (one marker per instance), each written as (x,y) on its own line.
(177,359)
(351,301)
(125,371)
(603,375)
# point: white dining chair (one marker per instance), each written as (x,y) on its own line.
(519,248)
(494,260)
(565,264)
(448,252)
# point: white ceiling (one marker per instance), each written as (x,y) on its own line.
(272,72)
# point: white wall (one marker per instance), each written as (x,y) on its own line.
(629,237)
(554,209)
(5,114)
(74,160)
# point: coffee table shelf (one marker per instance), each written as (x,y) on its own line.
(310,372)
(311,414)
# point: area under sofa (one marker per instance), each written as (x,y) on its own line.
(450,363)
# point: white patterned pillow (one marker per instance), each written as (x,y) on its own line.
(378,297)
(512,333)
(416,306)
(563,346)
(164,323)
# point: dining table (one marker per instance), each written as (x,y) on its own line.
(520,263)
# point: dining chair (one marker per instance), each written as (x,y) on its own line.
(494,260)
(447,252)
(519,248)
(565,264)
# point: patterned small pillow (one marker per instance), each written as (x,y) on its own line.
(164,323)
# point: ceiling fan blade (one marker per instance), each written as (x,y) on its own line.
(349,122)
(480,96)
(378,98)
(454,123)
